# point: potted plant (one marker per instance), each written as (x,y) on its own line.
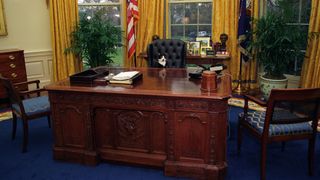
(95,40)
(275,46)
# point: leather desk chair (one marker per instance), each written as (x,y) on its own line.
(33,107)
(291,114)
(174,50)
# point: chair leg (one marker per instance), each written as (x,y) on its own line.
(239,143)
(311,155)
(25,135)
(14,126)
(263,160)
(49,121)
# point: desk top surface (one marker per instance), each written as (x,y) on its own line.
(155,82)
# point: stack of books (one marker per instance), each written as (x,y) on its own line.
(127,77)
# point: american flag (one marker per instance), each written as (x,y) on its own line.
(132,18)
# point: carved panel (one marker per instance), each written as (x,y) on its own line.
(104,128)
(192,130)
(158,125)
(182,104)
(131,129)
(107,99)
(71,126)
(219,106)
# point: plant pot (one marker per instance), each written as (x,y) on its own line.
(267,84)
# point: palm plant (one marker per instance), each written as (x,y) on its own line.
(95,40)
(274,44)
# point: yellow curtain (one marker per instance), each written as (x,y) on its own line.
(151,22)
(310,75)
(225,20)
(63,18)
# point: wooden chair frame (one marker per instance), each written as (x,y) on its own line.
(280,95)
(16,97)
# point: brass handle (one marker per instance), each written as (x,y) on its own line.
(12,57)
(14,75)
(12,65)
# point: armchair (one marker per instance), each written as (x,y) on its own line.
(27,105)
(291,114)
(173,50)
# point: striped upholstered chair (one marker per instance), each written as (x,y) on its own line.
(291,114)
(26,105)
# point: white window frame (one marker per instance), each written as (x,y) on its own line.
(122,5)
(184,25)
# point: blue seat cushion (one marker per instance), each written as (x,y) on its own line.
(34,105)
(256,120)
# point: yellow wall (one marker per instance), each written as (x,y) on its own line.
(27,25)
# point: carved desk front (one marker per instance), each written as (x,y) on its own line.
(165,120)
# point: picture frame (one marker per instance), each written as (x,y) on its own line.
(204,41)
(204,50)
(194,47)
(3,27)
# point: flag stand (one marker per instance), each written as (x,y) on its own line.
(239,89)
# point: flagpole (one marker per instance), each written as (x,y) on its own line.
(239,89)
(135,59)
(242,26)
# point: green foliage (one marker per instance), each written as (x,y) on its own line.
(275,43)
(95,40)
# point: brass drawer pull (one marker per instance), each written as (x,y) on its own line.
(14,75)
(12,57)
(12,65)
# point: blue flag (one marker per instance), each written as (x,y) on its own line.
(243,31)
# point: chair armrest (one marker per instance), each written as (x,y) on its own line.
(37,82)
(28,93)
(256,100)
(27,82)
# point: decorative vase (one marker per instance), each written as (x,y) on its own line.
(267,84)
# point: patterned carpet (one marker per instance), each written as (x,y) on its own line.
(5,115)
(239,102)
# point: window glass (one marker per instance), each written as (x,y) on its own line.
(189,19)
(112,9)
(297,15)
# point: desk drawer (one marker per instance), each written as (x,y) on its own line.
(12,66)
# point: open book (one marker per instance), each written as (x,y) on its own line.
(127,77)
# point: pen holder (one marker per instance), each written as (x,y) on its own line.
(209,81)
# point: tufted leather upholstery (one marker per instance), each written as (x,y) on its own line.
(174,50)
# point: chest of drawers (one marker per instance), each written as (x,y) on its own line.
(12,66)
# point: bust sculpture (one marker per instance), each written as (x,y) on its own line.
(223,39)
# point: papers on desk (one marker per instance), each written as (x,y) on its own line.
(127,77)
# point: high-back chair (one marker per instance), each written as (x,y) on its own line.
(27,105)
(291,114)
(173,50)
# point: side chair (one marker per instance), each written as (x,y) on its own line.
(291,114)
(26,105)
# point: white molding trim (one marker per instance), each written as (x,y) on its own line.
(39,66)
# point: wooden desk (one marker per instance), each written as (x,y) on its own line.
(198,60)
(164,120)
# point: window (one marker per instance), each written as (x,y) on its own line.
(189,19)
(113,13)
(298,14)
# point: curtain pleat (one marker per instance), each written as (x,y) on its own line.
(63,18)
(151,22)
(225,20)
(310,75)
